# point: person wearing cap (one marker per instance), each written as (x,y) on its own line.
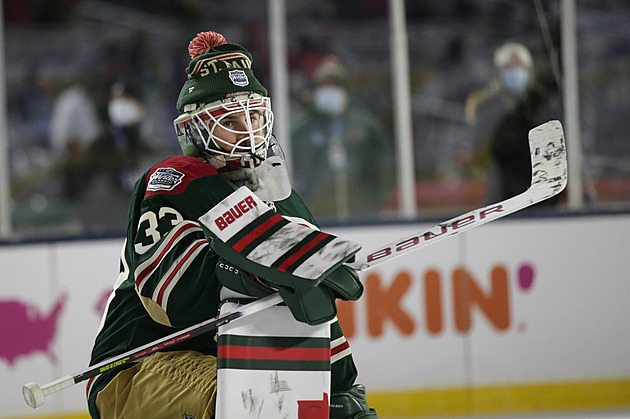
(503,112)
(171,277)
(345,158)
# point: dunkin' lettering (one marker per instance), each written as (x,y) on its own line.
(454,227)
(235,212)
(449,300)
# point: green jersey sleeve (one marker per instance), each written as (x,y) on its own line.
(173,264)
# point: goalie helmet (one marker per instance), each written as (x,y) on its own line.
(226,117)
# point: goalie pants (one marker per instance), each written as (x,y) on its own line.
(177,384)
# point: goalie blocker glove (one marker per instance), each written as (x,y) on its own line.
(303,264)
(308,305)
(243,230)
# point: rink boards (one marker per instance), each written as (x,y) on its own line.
(520,315)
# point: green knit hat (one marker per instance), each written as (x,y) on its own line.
(218,70)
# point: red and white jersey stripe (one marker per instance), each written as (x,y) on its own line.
(146,269)
(339,348)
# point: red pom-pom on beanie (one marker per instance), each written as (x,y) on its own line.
(204,42)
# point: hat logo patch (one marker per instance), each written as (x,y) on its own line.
(238,77)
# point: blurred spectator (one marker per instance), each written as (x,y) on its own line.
(74,126)
(345,159)
(116,159)
(122,142)
(515,101)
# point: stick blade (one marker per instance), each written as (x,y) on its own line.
(549,160)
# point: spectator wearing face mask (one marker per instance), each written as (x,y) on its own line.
(74,127)
(514,101)
(344,156)
(122,147)
(115,159)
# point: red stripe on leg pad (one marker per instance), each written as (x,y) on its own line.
(284,354)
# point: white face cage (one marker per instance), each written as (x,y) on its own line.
(268,178)
(234,127)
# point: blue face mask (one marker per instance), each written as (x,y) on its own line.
(515,79)
(331,100)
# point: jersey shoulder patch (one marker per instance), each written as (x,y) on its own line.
(173,175)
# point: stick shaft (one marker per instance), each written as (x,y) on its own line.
(137,354)
(58,385)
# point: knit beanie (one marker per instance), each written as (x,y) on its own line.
(513,54)
(218,70)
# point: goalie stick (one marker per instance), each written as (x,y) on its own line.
(549,177)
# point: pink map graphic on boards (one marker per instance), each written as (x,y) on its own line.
(25,330)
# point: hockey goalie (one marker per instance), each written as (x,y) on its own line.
(212,230)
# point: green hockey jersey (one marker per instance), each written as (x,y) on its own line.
(167,276)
